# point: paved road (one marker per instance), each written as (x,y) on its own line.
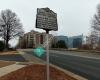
(86,67)
(12,57)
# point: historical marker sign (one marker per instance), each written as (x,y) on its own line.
(46,19)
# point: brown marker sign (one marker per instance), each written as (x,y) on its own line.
(46,19)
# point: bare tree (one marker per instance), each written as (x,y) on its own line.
(96,20)
(10,26)
(95,27)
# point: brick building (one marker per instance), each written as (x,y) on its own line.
(32,39)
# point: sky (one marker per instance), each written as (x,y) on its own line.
(74,16)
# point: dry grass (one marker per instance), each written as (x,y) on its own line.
(5,63)
(8,52)
(36,72)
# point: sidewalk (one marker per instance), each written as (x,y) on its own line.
(7,69)
(30,58)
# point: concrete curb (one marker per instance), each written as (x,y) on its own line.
(69,73)
(63,70)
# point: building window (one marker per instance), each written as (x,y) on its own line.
(41,39)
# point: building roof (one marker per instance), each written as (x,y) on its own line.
(32,31)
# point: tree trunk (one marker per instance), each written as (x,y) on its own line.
(7,45)
(7,38)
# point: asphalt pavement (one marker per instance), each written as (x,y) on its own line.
(12,57)
(83,66)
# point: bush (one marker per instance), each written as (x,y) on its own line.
(1,45)
(98,47)
(86,47)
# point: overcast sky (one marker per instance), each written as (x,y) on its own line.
(74,16)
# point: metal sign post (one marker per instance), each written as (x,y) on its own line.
(46,19)
(47,56)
